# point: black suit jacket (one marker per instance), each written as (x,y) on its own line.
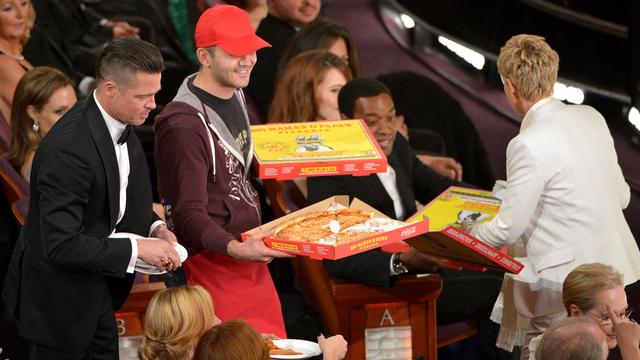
(64,270)
(261,85)
(415,181)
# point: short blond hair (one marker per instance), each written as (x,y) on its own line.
(175,320)
(583,284)
(530,64)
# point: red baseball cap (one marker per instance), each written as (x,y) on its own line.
(229,28)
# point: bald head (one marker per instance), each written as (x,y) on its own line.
(575,338)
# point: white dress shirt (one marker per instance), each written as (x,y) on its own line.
(116,128)
(388,180)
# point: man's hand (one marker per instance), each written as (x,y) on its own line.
(254,249)
(419,261)
(402,126)
(628,335)
(270,336)
(162,232)
(160,254)
(333,348)
(444,166)
(122,29)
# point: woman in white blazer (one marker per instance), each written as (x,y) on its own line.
(565,192)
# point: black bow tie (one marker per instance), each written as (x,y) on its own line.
(125,135)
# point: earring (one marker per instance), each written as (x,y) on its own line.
(35,127)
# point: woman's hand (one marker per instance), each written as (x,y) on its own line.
(333,348)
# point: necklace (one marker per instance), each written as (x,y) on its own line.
(14,57)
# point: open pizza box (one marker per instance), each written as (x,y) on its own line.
(445,239)
(317,250)
(320,148)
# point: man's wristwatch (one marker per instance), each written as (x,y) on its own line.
(397,265)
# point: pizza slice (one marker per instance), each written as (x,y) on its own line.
(275,350)
(315,226)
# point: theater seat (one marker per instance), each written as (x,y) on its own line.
(130,318)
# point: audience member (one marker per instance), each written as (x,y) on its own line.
(158,27)
(239,340)
(549,202)
(203,157)
(232,340)
(576,338)
(587,291)
(627,335)
(42,96)
(89,179)
(175,320)
(15,28)
(308,90)
(436,124)
(85,32)
(257,9)
(322,34)
(284,19)
(465,294)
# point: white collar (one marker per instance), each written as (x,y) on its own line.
(529,115)
(114,126)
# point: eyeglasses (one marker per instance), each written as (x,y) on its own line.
(605,318)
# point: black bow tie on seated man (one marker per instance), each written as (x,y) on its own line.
(125,135)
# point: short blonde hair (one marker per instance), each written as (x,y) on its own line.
(175,320)
(530,64)
(583,284)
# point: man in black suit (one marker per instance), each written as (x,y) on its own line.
(278,28)
(89,180)
(465,294)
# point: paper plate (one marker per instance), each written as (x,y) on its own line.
(306,348)
(141,265)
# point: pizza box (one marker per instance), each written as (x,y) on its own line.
(446,240)
(287,150)
(325,251)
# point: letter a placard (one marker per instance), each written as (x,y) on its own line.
(387,317)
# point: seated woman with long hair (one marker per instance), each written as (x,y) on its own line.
(42,96)
(15,28)
(175,320)
(239,340)
(308,90)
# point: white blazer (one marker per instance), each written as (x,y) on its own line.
(565,195)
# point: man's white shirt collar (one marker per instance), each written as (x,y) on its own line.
(115,127)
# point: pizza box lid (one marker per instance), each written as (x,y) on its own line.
(453,245)
(318,148)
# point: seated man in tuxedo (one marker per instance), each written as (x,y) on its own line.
(465,294)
